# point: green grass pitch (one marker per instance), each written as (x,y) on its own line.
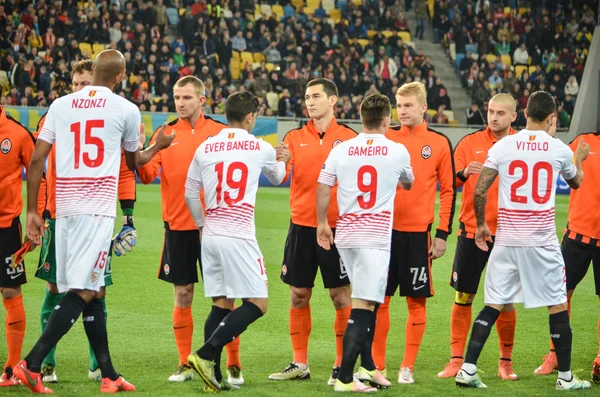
(143,346)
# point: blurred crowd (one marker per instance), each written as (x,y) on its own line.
(517,48)
(164,40)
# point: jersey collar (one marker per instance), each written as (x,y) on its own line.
(491,136)
(418,129)
(313,128)
(96,88)
(229,130)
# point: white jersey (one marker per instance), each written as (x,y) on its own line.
(228,168)
(367,169)
(88,129)
(528,164)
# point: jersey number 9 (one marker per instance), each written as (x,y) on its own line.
(369,187)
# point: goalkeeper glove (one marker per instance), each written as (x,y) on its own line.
(124,241)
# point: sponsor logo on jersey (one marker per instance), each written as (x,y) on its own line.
(284,270)
(426,152)
(337,142)
(5,146)
(47,267)
(166,269)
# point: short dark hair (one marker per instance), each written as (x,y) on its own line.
(540,105)
(239,105)
(329,86)
(82,66)
(374,109)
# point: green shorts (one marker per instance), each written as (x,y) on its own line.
(46,269)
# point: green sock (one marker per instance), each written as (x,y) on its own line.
(48,304)
(93,362)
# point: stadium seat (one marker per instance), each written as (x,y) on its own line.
(431,112)
(328,5)
(362,42)
(98,48)
(387,33)
(449,114)
(357,3)
(172,16)
(269,66)
(266,10)
(507,11)
(371,33)
(309,11)
(247,57)
(273,100)
(531,69)
(453,122)
(86,47)
(336,15)
(452,49)
(278,11)
(523,10)
(395,115)
(4,83)
(234,68)
(519,69)
(331,22)
(506,60)
(313,3)
(236,55)
(405,36)
(181,11)
(341,4)
(475,57)
(298,4)
(259,57)
(490,58)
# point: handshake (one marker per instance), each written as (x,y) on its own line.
(283,152)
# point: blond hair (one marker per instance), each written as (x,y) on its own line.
(195,81)
(415,88)
(82,66)
(505,99)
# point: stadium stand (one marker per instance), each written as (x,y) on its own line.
(272,48)
(501,46)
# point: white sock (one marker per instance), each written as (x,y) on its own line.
(471,369)
(302,366)
(567,375)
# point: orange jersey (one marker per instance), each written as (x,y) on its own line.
(310,149)
(584,219)
(47,195)
(432,162)
(173,163)
(16,148)
(474,147)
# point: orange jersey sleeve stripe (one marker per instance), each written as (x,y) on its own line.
(16,148)
(584,219)
(310,150)
(172,165)
(432,162)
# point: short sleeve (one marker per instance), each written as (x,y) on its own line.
(193,182)
(565,158)
(48,131)
(405,172)
(131,128)
(328,175)
(493,157)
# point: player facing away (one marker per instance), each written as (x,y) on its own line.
(581,240)
(16,145)
(88,154)
(469,261)
(81,75)
(309,147)
(227,167)
(412,249)
(181,249)
(526,264)
(367,169)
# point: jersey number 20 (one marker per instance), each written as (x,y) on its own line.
(535,186)
(239,184)
(88,140)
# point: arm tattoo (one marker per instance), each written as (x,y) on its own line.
(486,178)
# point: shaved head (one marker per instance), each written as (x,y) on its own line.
(505,99)
(109,65)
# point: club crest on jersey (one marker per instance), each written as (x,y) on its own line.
(284,270)
(5,146)
(231,135)
(337,142)
(426,152)
(369,141)
(47,267)
(166,269)
(94,277)
(454,276)
(531,138)
(92,93)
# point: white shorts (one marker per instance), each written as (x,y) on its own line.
(233,268)
(534,276)
(82,244)
(368,272)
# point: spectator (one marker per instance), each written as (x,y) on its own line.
(440,117)
(238,42)
(285,105)
(387,68)
(442,99)
(572,87)
(521,56)
(474,115)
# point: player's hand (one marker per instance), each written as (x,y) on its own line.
(472,169)
(163,141)
(142,136)
(35,228)
(438,248)
(482,236)
(324,237)
(283,152)
(125,240)
(582,151)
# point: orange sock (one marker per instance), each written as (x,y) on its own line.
(300,327)
(15,329)
(382,328)
(569,312)
(599,337)
(505,326)
(415,328)
(183,327)
(460,324)
(339,327)
(233,351)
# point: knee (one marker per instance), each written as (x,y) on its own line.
(100,294)
(184,295)
(340,296)
(416,304)
(300,297)
(464,298)
(52,288)
(9,293)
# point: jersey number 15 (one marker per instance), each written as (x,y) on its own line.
(88,140)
